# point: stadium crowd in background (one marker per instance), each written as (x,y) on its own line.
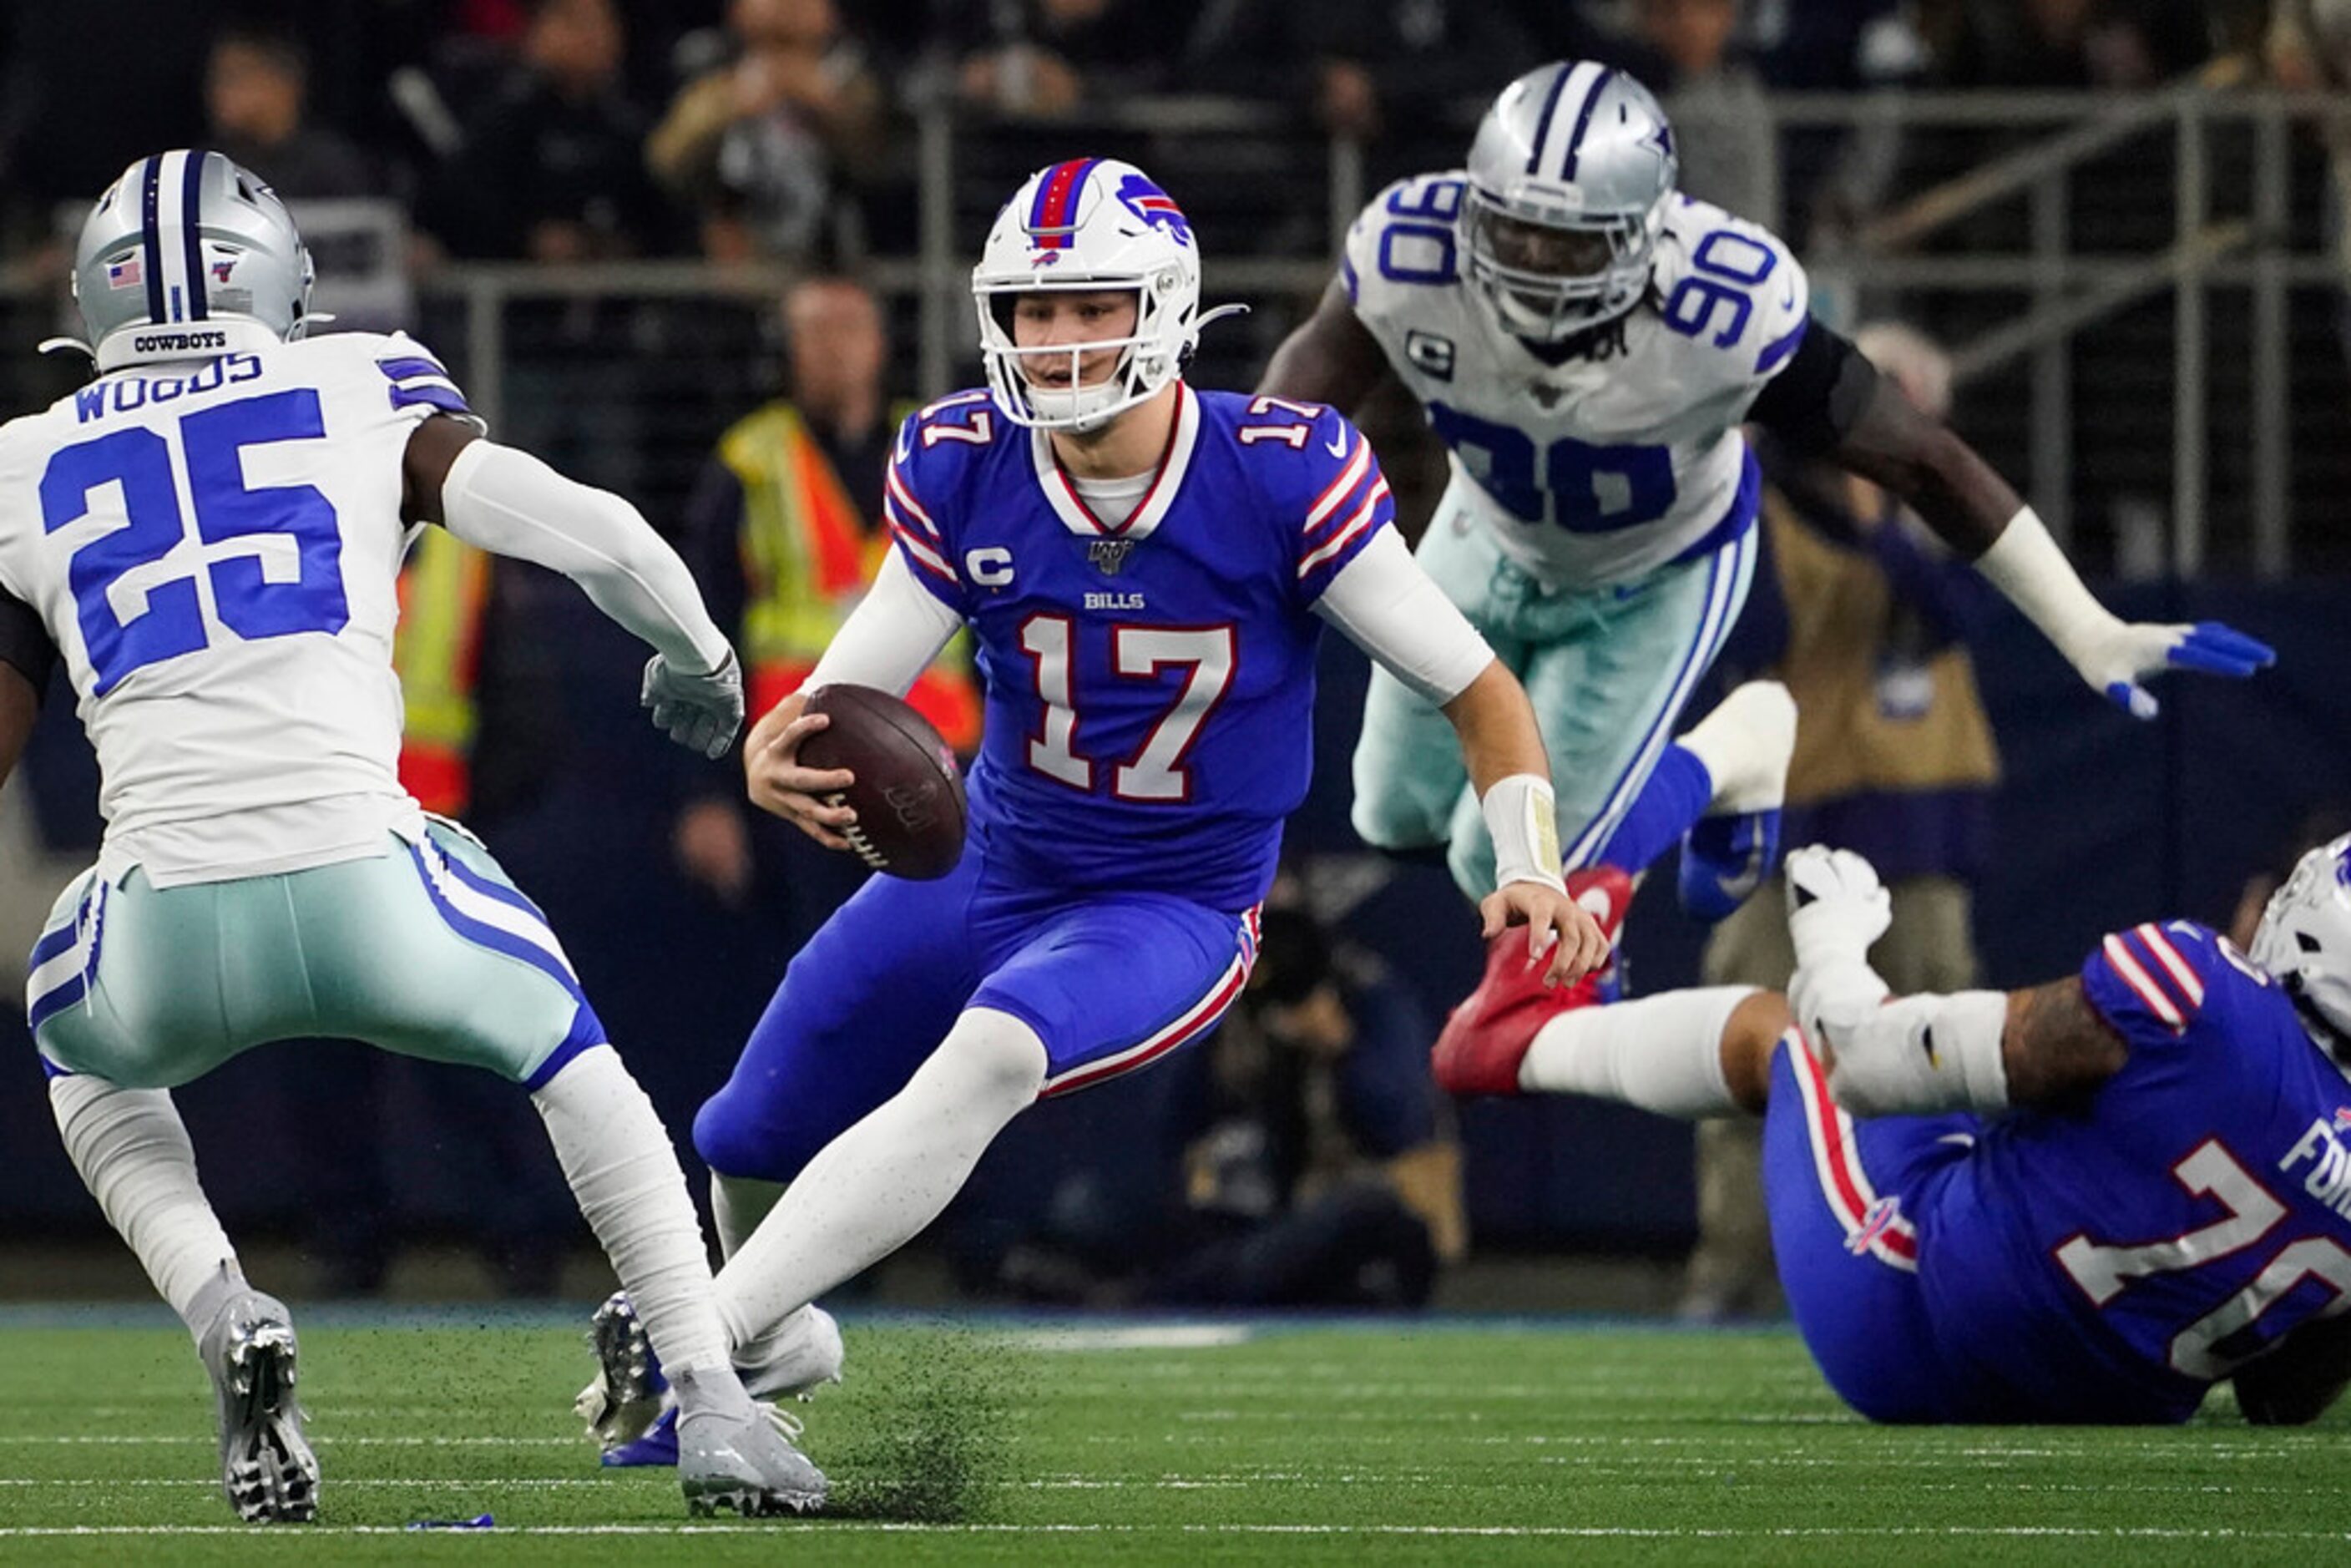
(763,121)
(562,132)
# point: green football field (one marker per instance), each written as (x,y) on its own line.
(1456,1441)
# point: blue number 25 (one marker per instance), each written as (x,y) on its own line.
(167,620)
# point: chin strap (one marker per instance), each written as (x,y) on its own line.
(1218,314)
(61,345)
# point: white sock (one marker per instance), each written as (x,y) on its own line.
(738,1204)
(625,1176)
(1662,1053)
(878,1185)
(133,1154)
(1745,744)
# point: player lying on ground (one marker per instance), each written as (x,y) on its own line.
(210,532)
(2084,1201)
(1147,569)
(1587,343)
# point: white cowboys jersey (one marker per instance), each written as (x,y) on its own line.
(214,545)
(1603,468)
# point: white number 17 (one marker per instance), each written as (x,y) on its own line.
(1156,771)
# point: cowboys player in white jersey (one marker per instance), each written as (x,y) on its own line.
(209,534)
(1587,343)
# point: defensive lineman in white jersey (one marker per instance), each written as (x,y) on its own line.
(1587,343)
(208,534)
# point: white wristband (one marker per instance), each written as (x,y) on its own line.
(1919,1055)
(1523,819)
(2025,564)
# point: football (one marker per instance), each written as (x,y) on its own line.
(909,793)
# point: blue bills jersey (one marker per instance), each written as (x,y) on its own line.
(1150,681)
(2110,1264)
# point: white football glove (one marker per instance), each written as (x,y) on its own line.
(2117,658)
(1836,909)
(700,711)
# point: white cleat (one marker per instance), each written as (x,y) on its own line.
(267,1471)
(1746,743)
(799,1356)
(739,1454)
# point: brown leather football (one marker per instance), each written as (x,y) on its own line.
(908,796)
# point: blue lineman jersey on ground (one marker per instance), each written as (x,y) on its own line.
(1150,685)
(2107,1264)
(2189,1217)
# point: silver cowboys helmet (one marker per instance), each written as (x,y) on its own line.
(1568,183)
(1084,225)
(188,255)
(2304,941)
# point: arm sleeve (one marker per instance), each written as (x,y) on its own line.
(510,503)
(892,636)
(1819,393)
(24,641)
(1395,611)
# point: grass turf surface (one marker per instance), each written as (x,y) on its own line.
(1451,1441)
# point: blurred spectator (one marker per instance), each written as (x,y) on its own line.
(784,531)
(1722,129)
(1316,1171)
(1046,57)
(1814,46)
(1403,66)
(255,90)
(2065,42)
(1861,613)
(2308,49)
(552,172)
(753,145)
(554,168)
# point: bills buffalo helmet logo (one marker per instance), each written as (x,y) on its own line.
(1155,206)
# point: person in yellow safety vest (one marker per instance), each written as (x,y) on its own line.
(784,531)
(443,592)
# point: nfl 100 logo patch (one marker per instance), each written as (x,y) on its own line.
(1109,556)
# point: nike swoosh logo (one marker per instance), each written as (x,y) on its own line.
(1337,445)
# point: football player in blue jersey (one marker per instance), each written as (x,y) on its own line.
(1588,342)
(1147,569)
(2089,1200)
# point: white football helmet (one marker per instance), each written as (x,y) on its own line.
(2304,940)
(1087,225)
(1568,182)
(186,256)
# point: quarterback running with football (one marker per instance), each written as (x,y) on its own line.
(2089,1200)
(1586,342)
(209,533)
(1147,569)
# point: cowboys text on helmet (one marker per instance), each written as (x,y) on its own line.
(187,256)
